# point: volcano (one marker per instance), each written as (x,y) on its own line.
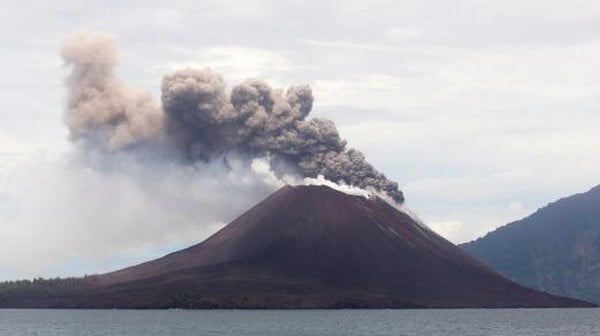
(303,247)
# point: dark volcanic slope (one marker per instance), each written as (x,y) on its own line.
(556,249)
(308,247)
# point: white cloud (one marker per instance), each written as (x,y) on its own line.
(56,211)
(405,33)
(481,110)
(10,145)
(238,63)
(447,229)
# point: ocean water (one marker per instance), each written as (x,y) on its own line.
(510,322)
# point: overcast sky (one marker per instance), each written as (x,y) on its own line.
(483,111)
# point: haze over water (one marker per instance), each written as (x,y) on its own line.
(530,322)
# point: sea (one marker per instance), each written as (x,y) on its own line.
(430,322)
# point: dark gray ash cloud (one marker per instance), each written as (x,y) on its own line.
(203,121)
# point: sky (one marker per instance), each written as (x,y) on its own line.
(482,111)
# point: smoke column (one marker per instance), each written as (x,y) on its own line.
(100,107)
(203,122)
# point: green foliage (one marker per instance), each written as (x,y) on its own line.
(40,286)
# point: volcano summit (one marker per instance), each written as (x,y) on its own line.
(302,247)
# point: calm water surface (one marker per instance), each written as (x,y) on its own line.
(531,322)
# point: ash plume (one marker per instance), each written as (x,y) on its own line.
(100,107)
(204,121)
